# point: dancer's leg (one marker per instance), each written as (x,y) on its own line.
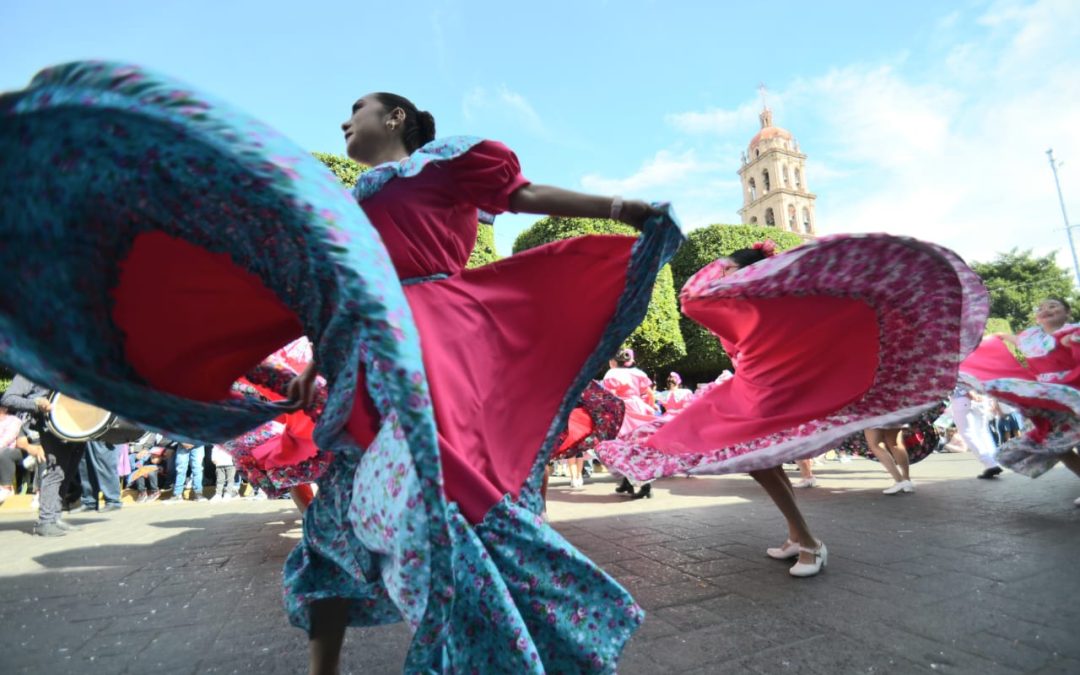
(777,486)
(1072,460)
(328,621)
(875,438)
(894,441)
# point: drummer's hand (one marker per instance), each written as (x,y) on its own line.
(301,390)
(635,212)
(36,451)
(43,404)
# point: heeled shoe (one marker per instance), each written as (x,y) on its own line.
(625,486)
(644,492)
(789,549)
(821,558)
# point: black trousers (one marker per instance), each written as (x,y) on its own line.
(61,468)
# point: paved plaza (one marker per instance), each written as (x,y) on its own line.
(964,576)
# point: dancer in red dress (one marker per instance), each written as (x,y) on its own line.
(824,345)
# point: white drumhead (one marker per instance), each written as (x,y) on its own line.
(74,420)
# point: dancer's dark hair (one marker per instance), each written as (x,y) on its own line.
(419,124)
(747,256)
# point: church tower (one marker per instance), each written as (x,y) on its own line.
(774,186)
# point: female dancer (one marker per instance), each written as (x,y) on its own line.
(897,448)
(822,347)
(675,397)
(634,388)
(428,511)
(1044,388)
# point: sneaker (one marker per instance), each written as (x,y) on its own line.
(806,483)
(228,496)
(82,508)
(260,495)
(66,527)
(909,486)
(993,472)
(200,498)
(154,496)
(142,498)
(110,507)
(176,498)
(49,530)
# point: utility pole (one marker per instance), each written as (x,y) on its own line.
(1068,227)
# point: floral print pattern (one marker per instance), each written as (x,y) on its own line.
(899,278)
(144,153)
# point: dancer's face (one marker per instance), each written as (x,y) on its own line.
(728,267)
(1051,314)
(369,130)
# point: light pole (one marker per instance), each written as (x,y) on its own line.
(1068,228)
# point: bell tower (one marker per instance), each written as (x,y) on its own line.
(773,178)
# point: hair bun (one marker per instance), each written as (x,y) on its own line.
(426,122)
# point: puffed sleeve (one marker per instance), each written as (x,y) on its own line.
(487,175)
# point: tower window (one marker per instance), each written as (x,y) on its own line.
(791,217)
(798,180)
(757,153)
(770,219)
(786,181)
(765,180)
(753,220)
(753,190)
(806,220)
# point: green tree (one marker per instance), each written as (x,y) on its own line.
(347,171)
(657,340)
(704,357)
(1019,280)
(484,251)
(344,168)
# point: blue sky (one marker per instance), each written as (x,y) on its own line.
(921,118)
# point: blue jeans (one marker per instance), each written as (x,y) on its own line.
(195,457)
(97,472)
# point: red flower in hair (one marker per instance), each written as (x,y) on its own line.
(768,247)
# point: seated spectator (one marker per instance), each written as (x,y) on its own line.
(10,456)
(146,464)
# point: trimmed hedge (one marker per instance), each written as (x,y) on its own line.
(657,340)
(705,359)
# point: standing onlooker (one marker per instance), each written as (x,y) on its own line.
(970,414)
(193,455)
(225,485)
(97,471)
(31,401)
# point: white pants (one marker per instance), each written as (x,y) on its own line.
(973,425)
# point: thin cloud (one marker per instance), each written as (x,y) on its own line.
(481,104)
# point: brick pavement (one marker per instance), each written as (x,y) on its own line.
(965,576)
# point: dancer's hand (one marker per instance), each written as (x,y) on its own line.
(301,390)
(635,212)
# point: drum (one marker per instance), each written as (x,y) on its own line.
(77,422)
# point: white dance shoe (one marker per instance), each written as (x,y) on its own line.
(789,549)
(899,486)
(821,558)
(806,483)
